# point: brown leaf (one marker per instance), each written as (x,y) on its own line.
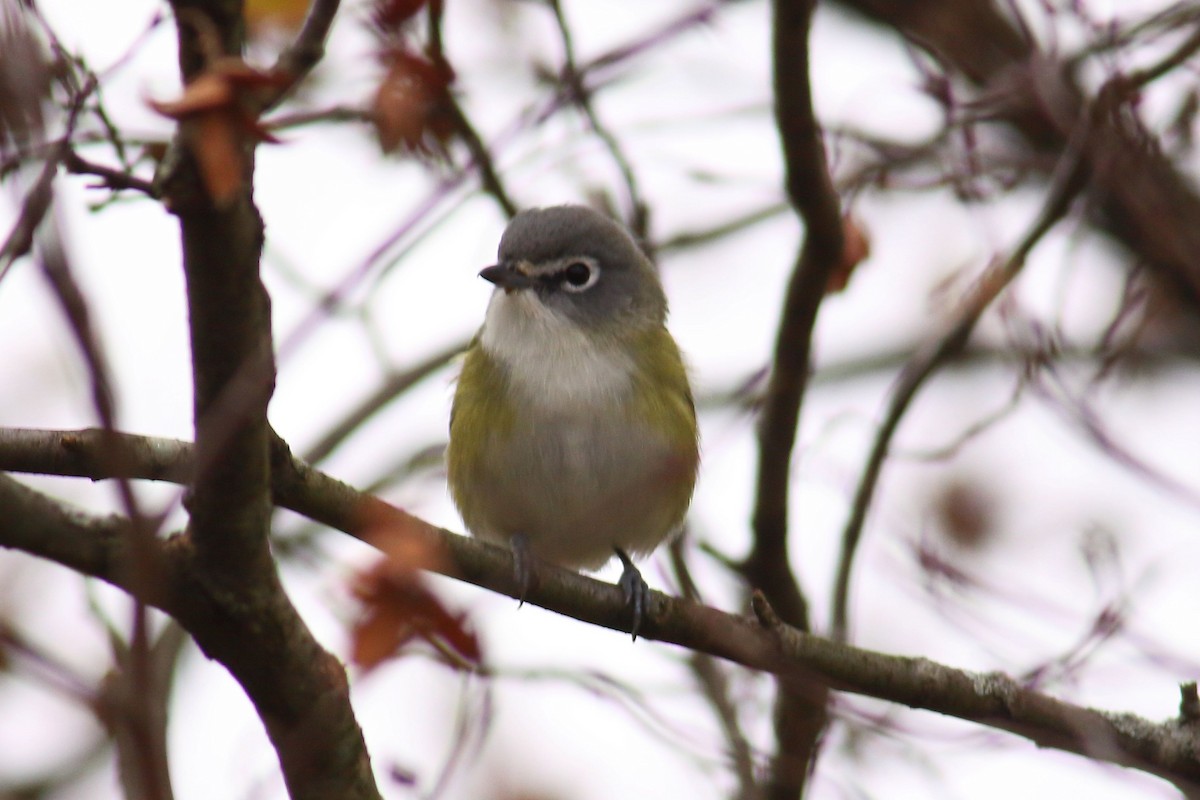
(966,512)
(398,607)
(218,126)
(856,248)
(412,108)
(216,142)
(407,541)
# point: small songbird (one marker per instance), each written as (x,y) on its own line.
(573,433)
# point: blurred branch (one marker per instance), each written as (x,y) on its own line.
(392,388)
(142,751)
(133,705)
(117,179)
(572,79)
(800,713)
(1068,182)
(714,686)
(489,177)
(50,782)
(42,238)
(1143,200)
(1133,360)
(33,210)
(92,545)
(1139,79)
(685,240)
(313,116)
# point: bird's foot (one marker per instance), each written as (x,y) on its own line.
(523,569)
(633,586)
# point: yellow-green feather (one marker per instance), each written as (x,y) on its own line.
(481,409)
(663,397)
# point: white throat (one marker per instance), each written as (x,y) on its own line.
(556,363)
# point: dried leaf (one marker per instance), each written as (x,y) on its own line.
(398,607)
(406,540)
(856,248)
(218,125)
(412,105)
(966,512)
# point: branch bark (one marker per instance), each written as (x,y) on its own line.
(224,588)
(93,546)
(800,714)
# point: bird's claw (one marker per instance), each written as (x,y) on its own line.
(634,588)
(523,570)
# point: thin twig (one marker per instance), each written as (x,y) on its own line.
(392,388)
(572,78)
(950,342)
(714,685)
(111,178)
(481,156)
(304,53)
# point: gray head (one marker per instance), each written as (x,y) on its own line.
(581,264)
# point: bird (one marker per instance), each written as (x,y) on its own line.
(573,432)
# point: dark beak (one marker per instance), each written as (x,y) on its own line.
(507,276)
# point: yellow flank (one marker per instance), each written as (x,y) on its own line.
(663,399)
(478,414)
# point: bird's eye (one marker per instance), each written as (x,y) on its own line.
(577,276)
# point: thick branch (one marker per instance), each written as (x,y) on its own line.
(1169,749)
(800,714)
(299,690)
(88,544)
(240,615)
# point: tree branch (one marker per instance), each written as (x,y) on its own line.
(232,600)
(299,690)
(800,714)
(389,390)
(38,525)
(1144,201)
(304,53)
(89,544)
(481,156)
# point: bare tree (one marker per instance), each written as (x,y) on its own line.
(1073,130)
